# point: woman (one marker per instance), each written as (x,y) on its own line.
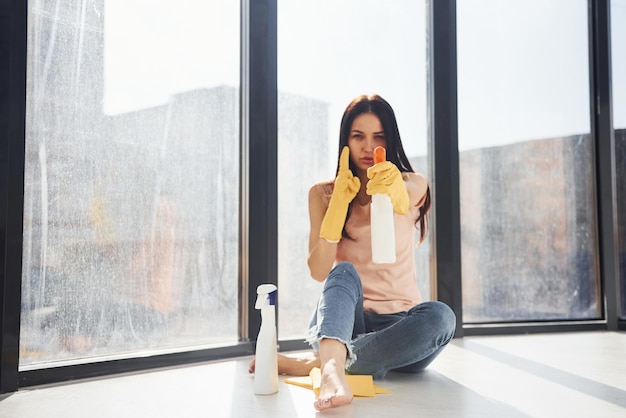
(370,318)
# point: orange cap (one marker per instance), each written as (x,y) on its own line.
(380,155)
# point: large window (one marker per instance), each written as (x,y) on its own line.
(528,218)
(328,53)
(618,58)
(131,234)
(132,167)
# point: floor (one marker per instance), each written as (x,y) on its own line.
(539,375)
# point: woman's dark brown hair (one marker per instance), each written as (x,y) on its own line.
(395,152)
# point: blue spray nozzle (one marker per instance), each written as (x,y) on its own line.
(266,296)
(271,298)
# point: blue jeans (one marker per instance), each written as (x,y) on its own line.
(405,341)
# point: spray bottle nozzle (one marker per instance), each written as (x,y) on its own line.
(380,155)
(266,296)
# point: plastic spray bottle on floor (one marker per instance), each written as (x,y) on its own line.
(266,360)
(382,222)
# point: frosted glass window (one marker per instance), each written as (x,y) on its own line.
(528,218)
(328,53)
(618,60)
(131,197)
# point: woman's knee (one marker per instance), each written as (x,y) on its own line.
(343,268)
(440,316)
(446,317)
(344,271)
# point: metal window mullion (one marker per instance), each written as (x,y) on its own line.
(444,155)
(604,140)
(13,33)
(259,132)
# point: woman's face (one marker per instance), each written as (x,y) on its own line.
(365,135)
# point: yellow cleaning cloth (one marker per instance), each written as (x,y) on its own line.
(360,385)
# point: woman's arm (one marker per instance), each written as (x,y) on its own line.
(321,252)
(416,185)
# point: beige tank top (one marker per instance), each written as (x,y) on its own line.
(387,288)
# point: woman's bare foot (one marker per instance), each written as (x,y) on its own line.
(293,365)
(334,389)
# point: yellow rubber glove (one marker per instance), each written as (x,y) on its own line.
(385,178)
(346,187)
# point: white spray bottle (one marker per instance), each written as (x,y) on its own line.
(382,222)
(266,360)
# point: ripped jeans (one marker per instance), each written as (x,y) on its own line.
(377,343)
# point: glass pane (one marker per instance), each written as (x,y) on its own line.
(131,195)
(618,59)
(526,161)
(361,48)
